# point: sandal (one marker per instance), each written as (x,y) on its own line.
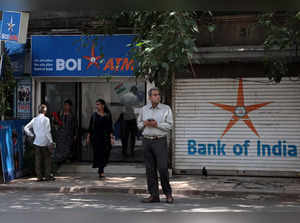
(101,176)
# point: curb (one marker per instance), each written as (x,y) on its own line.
(126,190)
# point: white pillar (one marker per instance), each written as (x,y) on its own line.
(36,95)
(148,87)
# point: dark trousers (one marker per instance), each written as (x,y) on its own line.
(101,149)
(42,162)
(106,159)
(129,129)
(156,158)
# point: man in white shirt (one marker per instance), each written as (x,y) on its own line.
(156,121)
(43,143)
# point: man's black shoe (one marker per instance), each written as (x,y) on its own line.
(170,199)
(151,199)
(39,180)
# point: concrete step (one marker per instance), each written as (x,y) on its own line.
(113,169)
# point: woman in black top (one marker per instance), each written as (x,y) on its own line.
(101,136)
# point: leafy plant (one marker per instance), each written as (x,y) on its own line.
(282,32)
(165,41)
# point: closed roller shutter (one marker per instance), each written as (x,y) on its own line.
(237,125)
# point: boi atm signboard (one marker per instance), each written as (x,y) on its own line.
(82,56)
(14,26)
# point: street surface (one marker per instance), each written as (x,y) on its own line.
(34,207)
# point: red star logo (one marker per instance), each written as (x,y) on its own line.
(240,111)
(92,59)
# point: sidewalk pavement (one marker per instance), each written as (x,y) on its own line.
(188,185)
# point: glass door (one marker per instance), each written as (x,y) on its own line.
(111,92)
(90,92)
(54,94)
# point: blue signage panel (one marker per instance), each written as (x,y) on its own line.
(82,56)
(12,148)
(10,25)
(6,154)
(14,26)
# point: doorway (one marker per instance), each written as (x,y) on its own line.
(111,92)
(54,94)
(84,96)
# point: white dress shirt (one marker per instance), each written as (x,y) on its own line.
(162,114)
(41,129)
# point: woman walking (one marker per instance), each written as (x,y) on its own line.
(101,136)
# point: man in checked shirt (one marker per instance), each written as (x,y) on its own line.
(156,120)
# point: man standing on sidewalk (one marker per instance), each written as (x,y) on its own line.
(43,143)
(156,120)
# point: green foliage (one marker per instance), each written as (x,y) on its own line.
(282,32)
(276,69)
(7,86)
(165,41)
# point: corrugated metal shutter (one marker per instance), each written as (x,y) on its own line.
(200,121)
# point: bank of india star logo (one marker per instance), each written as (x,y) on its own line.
(92,59)
(11,25)
(240,111)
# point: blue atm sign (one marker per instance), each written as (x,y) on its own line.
(14,26)
(80,56)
